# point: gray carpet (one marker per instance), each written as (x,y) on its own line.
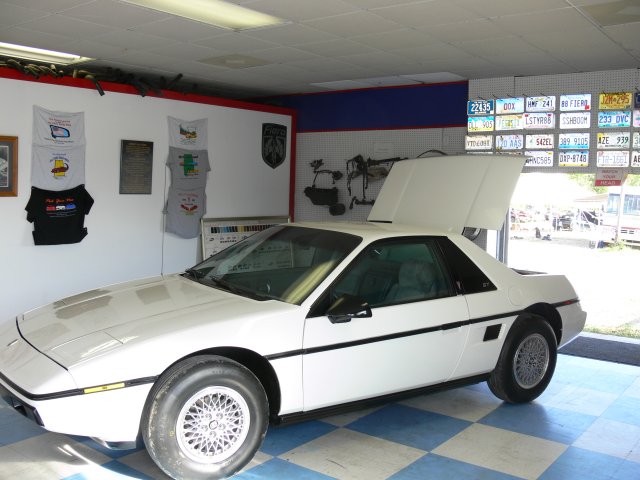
(607,349)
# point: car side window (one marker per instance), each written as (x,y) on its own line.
(467,276)
(398,271)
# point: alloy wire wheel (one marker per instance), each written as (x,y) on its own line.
(213,424)
(531,360)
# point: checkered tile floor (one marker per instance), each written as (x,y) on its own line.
(585,426)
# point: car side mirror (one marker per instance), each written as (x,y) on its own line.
(347,307)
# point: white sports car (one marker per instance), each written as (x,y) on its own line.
(297,321)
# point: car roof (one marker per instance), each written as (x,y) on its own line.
(372,230)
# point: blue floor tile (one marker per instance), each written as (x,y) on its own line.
(104,450)
(600,380)
(578,464)
(108,469)
(282,439)
(280,469)
(409,426)
(16,428)
(437,467)
(539,421)
(624,409)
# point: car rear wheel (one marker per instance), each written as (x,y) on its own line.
(205,419)
(527,361)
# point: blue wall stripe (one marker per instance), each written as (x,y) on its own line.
(419,106)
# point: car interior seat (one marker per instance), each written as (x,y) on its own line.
(416,281)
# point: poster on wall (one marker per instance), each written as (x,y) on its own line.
(136,167)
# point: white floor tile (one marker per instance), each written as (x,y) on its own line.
(633,390)
(612,438)
(463,403)
(507,452)
(581,400)
(350,455)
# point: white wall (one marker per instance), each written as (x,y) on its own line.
(126,238)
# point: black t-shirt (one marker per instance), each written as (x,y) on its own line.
(58,216)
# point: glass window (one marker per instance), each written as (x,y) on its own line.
(468,277)
(283,263)
(396,271)
(631,205)
(613,203)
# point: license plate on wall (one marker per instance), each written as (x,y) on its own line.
(480,124)
(573,159)
(613,158)
(573,141)
(541,158)
(614,119)
(614,140)
(540,141)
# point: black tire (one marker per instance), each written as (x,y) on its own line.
(527,361)
(191,405)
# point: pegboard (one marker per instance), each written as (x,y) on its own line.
(574,83)
(335,148)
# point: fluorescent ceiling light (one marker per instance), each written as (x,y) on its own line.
(212,12)
(40,55)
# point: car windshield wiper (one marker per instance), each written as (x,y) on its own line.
(193,273)
(218,282)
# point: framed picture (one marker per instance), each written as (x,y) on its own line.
(8,166)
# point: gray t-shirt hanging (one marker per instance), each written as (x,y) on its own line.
(184,210)
(189,168)
(57,168)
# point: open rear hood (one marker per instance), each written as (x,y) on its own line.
(449,192)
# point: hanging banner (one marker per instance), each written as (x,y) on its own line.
(615,101)
(51,128)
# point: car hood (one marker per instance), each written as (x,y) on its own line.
(100,310)
(449,192)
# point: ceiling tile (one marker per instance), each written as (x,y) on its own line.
(284,54)
(301,10)
(472,30)
(499,8)
(383,61)
(432,52)
(433,12)
(354,24)
(540,22)
(290,35)
(626,35)
(396,39)
(334,48)
(51,6)
(33,38)
(180,29)
(116,14)
(496,46)
(185,51)
(15,15)
(128,39)
(67,26)
(235,42)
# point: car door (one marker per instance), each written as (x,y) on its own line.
(414,336)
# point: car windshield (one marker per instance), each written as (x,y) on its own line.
(284,263)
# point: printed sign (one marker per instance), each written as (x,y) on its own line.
(613,158)
(635,159)
(615,101)
(509,122)
(636,118)
(510,105)
(573,141)
(636,140)
(578,158)
(541,104)
(539,121)
(540,158)
(480,124)
(480,107)
(614,119)
(274,144)
(539,141)
(509,142)
(478,142)
(572,103)
(609,177)
(614,139)
(575,120)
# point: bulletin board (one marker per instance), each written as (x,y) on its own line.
(220,233)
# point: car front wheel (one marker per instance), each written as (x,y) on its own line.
(527,361)
(205,419)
